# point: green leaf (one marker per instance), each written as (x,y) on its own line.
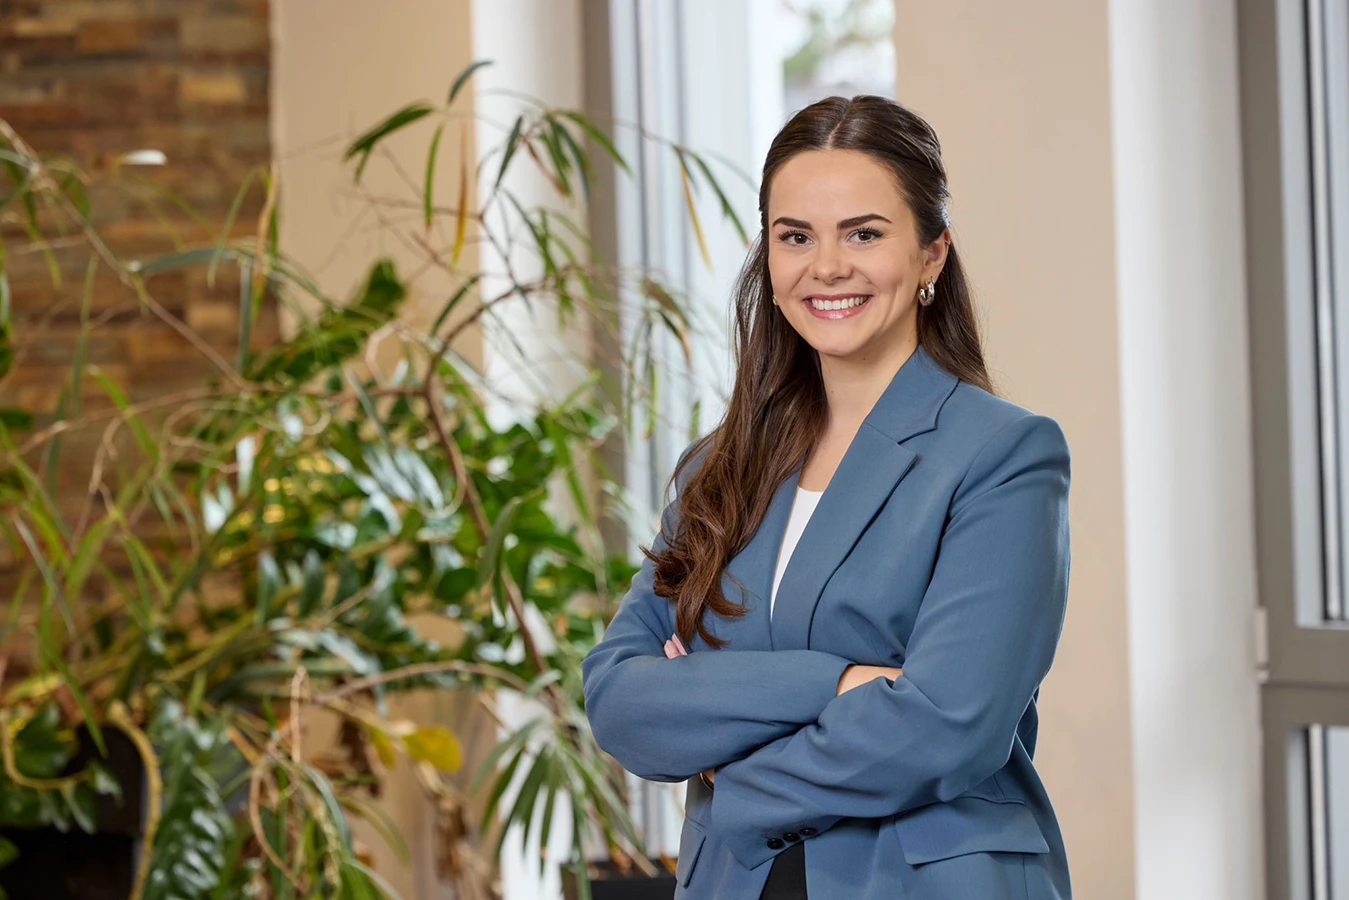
(365,145)
(133,421)
(490,561)
(102,782)
(314,584)
(269,582)
(246,308)
(561,165)
(428,195)
(727,209)
(512,144)
(228,227)
(449,306)
(464,76)
(81,805)
(598,137)
(336,814)
(522,810)
(8,852)
(15,419)
(383,824)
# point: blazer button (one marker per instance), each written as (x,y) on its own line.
(775,844)
(792,836)
(808,832)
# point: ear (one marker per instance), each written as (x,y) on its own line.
(934,256)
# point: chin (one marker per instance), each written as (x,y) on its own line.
(838,349)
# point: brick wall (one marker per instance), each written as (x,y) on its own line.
(97,78)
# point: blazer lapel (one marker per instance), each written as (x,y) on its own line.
(872,467)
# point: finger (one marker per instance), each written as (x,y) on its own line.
(679,644)
(670,651)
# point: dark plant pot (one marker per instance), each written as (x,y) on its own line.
(79,866)
(609,884)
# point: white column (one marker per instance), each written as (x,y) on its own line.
(1187,449)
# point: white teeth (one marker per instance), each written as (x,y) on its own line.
(847,303)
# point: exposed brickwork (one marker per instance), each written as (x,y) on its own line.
(95,79)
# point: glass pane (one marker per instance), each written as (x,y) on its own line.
(1337,811)
(1327,41)
(842,47)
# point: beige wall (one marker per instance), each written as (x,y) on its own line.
(339,66)
(1020,96)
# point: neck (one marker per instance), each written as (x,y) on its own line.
(853,385)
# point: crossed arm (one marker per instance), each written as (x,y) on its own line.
(792,755)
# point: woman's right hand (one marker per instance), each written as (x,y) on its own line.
(856,676)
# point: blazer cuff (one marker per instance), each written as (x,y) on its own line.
(733,809)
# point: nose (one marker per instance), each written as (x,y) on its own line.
(830,263)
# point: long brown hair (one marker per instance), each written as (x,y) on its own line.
(777,409)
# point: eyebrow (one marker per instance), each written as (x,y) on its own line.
(844,223)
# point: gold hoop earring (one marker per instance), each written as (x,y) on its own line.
(775,299)
(928,293)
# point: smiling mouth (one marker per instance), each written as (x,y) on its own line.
(842,303)
(837,308)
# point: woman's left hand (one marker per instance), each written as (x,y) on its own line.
(674,647)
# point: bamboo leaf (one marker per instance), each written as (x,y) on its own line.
(692,206)
(599,137)
(228,227)
(428,194)
(670,312)
(245,312)
(512,144)
(522,809)
(561,165)
(454,301)
(583,168)
(52,656)
(324,788)
(503,781)
(365,145)
(461,217)
(133,421)
(727,209)
(464,76)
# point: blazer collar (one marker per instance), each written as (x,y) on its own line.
(910,403)
(872,467)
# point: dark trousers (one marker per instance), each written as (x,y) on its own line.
(787,878)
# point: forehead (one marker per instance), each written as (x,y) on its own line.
(833,180)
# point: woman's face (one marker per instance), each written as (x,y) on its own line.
(844,256)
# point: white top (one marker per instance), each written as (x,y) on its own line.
(802,508)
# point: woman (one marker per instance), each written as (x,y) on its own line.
(840,631)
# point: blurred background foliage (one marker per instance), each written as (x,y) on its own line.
(243,571)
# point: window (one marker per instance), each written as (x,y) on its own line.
(1295,110)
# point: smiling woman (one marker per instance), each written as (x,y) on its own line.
(840,631)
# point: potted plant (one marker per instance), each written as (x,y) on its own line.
(252,554)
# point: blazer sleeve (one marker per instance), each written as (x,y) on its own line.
(982,642)
(669,719)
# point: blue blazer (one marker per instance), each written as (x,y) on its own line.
(940,545)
